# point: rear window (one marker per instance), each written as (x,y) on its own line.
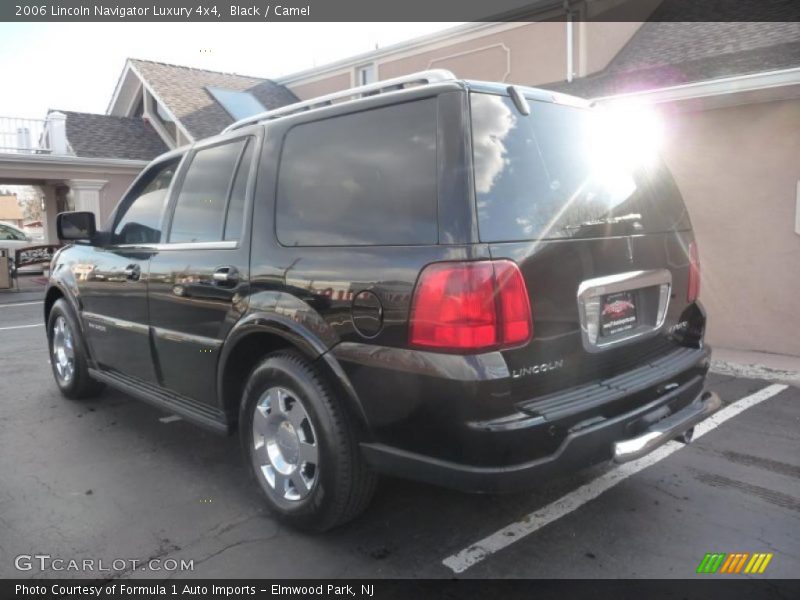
(535,178)
(367,178)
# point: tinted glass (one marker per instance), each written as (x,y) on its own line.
(535,178)
(140,222)
(235,217)
(200,207)
(362,179)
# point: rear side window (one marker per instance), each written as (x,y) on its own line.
(367,178)
(536,178)
(203,198)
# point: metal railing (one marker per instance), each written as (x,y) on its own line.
(23,136)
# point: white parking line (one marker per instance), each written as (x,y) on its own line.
(20,304)
(22,326)
(170,419)
(463,560)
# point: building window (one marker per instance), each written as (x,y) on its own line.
(365,74)
(239,105)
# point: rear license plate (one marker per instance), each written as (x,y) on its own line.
(617,313)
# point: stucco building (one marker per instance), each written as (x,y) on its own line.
(728,94)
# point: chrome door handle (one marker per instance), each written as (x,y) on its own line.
(226,276)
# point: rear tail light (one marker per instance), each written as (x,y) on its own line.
(693,289)
(466,306)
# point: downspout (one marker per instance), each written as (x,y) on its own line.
(570,28)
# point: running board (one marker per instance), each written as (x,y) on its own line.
(191,410)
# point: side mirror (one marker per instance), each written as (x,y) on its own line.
(73,226)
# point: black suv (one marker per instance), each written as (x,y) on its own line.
(424,277)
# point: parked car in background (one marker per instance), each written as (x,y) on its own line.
(432,282)
(35,230)
(12,238)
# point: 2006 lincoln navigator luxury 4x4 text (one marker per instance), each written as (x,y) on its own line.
(437,279)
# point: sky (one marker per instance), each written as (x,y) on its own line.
(75,66)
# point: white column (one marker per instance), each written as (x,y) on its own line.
(49,214)
(86,193)
(57,132)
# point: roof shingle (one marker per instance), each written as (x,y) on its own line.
(183,91)
(106,136)
(664,53)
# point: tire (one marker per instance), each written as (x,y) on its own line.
(68,356)
(301,447)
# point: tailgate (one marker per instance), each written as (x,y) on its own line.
(600,307)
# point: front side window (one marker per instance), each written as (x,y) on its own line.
(203,198)
(366,178)
(234,219)
(141,212)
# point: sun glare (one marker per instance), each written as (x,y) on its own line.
(625,136)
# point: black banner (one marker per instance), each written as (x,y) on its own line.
(407,10)
(617,589)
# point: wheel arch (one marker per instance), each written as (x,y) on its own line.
(250,341)
(53,293)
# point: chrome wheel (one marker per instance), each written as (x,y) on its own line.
(63,350)
(285,448)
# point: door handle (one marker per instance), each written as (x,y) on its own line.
(226,276)
(132,272)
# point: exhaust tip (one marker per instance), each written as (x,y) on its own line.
(686,436)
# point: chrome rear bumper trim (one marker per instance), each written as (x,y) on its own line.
(667,429)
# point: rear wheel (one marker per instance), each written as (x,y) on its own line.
(68,356)
(301,445)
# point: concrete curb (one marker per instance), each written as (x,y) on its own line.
(755,371)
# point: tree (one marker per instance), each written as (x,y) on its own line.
(29,198)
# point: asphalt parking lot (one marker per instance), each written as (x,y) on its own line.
(113,478)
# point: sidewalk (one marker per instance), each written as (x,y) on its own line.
(31,288)
(756,365)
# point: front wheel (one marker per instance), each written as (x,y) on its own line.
(68,353)
(301,445)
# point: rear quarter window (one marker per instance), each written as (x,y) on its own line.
(367,178)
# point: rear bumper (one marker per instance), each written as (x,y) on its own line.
(667,429)
(623,438)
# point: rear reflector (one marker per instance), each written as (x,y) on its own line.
(693,288)
(466,306)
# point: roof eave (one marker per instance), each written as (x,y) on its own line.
(118,88)
(739,89)
(46,160)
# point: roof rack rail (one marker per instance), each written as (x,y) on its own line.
(371,89)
